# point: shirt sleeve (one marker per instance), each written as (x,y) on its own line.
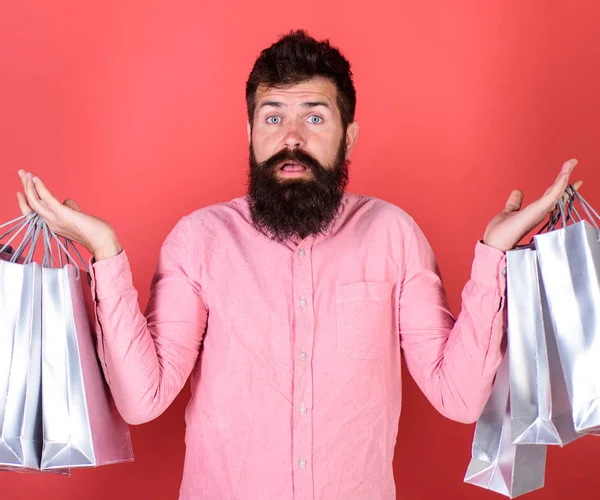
(147,357)
(452,361)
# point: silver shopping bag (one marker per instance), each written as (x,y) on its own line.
(569,260)
(539,402)
(497,464)
(81,425)
(20,352)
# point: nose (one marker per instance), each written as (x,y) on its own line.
(293,137)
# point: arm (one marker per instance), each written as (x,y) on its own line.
(147,358)
(453,362)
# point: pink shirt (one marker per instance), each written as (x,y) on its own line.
(295,349)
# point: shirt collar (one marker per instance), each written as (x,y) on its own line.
(294,243)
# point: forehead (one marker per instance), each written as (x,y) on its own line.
(315,88)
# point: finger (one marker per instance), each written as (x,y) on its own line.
(44,193)
(568,166)
(534,213)
(34,201)
(71,204)
(30,191)
(23,205)
(561,180)
(555,192)
(528,218)
(514,202)
(23,177)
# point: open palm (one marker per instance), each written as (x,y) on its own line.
(508,228)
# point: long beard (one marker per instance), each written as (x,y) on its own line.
(296,208)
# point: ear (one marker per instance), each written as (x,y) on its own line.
(351,137)
(249,130)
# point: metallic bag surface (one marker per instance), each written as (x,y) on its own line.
(81,425)
(20,354)
(541,411)
(497,464)
(569,260)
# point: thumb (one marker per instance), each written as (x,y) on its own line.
(23,205)
(71,204)
(513,204)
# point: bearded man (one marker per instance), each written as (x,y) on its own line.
(290,307)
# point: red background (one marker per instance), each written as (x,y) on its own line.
(136,110)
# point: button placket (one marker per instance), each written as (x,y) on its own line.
(302,395)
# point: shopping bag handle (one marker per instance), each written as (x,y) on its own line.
(48,260)
(564,212)
(554,218)
(69,243)
(550,225)
(23,222)
(567,208)
(32,239)
(50,235)
(29,238)
(34,226)
(593,216)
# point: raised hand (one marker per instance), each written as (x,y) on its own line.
(67,219)
(509,227)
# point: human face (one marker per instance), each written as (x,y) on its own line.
(304,116)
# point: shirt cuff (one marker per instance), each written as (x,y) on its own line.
(489,267)
(110,277)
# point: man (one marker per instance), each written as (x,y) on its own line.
(302,298)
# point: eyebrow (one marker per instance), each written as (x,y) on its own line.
(307,104)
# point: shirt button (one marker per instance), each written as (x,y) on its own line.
(302,463)
(302,302)
(302,354)
(302,409)
(301,252)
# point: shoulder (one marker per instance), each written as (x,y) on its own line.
(212,219)
(378,212)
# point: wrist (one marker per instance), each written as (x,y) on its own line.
(106,248)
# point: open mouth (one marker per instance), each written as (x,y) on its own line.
(292,167)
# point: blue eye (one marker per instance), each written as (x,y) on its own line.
(274,119)
(315,119)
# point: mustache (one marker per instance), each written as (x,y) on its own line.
(285,210)
(291,155)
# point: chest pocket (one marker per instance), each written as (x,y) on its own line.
(364,318)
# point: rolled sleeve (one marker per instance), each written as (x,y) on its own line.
(489,267)
(110,277)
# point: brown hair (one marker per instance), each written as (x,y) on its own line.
(297,57)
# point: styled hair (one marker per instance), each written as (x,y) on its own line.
(298,57)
